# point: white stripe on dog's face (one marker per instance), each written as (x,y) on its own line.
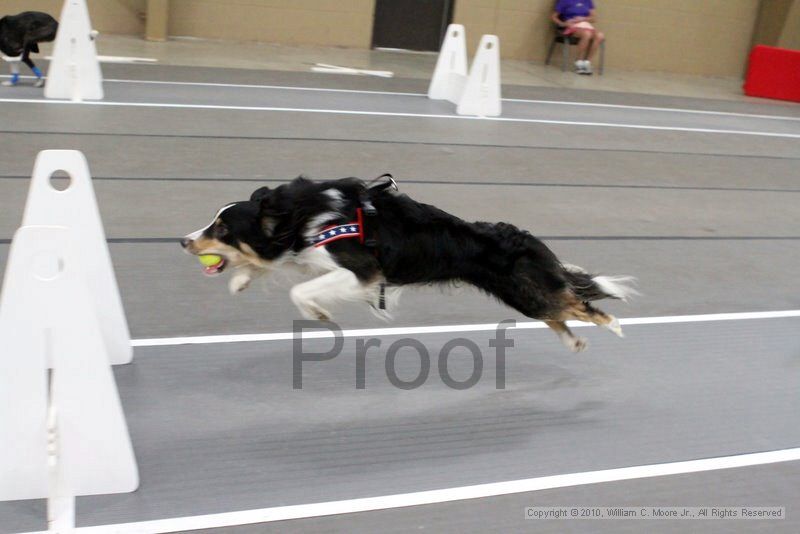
(196,234)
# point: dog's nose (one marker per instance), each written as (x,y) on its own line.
(185,242)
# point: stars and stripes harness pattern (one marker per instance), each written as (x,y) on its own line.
(353,229)
(333,233)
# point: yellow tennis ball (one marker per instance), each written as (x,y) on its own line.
(207,260)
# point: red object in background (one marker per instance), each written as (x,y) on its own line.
(773,73)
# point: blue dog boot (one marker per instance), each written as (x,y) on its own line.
(13,81)
(39,80)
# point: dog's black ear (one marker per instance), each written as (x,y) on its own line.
(260,193)
(268,225)
(274,204)
(268,208)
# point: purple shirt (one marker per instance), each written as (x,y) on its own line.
(568,9)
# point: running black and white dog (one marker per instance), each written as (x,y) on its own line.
(21,34)
(364,243)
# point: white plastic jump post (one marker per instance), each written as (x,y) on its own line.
(62,429)
(481,94)
(76,207)
(451,66)
(474,92)
(74,71)
(63,432)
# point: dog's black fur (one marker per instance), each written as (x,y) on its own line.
(21,34)
(415,244)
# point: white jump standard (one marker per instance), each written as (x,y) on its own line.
(476,92)
(61,328)
(74,72)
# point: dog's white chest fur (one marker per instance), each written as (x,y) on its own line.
(311,260)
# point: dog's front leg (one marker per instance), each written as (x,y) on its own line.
(242,277)
(312,297)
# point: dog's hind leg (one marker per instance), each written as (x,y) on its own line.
(339,285)
(570,340)
(583,311)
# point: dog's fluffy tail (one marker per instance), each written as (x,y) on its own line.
(590,287)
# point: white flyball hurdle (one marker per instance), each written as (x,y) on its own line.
(76,207)
(474,92)
(74,71)
(62,429)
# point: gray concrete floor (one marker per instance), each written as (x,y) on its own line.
(504,514)
(707,221)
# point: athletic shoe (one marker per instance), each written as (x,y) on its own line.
(587,68)
(580,66)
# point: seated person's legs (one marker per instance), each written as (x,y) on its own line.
(588,46)
(597,40)
(584,47)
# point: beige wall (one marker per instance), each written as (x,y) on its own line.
(108,16)
(790,36)
(709,37)
(322,22)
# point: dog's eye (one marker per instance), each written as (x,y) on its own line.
(220,230)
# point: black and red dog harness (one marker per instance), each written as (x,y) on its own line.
(362,228)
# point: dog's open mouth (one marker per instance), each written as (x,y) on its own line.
(213,269)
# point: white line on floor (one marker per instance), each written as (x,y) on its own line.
(395,93)
(257,86)
(161,105)
(251,86)
(285,513)
(651,108)
(397,331)
(119,59)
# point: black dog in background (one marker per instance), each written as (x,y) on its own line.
(21,34)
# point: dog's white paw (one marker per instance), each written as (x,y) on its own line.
(239,282)
(615,327)
(577,344)
(309,309)
(314,313)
